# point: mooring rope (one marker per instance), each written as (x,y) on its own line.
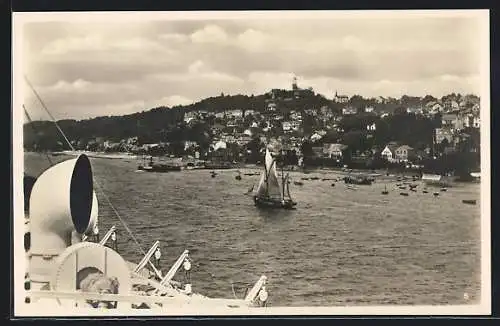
(122,221)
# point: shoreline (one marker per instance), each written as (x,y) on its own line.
(377,173)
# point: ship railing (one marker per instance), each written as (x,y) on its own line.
(252,294)
(146,260)
(107,235)
(131,298)
(175,267)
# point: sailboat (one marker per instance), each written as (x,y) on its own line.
(269,192)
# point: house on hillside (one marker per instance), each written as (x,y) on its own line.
(237,113)
(334,151)
(287,126)
(414,110)
(369,109)
(349,110)
(371,127)
(249,112)
(271,107)
(315,137)
(442,134)
(188,144)
(476,122)
(243,139)
(435,108)
(188,116)
(452,121)
(389,152)
(295,125)
(404,153)
(451,105)
(296,116)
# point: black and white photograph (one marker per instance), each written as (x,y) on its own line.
(251,163)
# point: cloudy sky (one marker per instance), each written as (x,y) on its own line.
(89,68)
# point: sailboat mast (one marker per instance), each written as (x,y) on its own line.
(282,181)
(266,176)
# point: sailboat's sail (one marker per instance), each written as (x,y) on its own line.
(262,186)
(273,186)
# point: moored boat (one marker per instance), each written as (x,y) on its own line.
(437,180)
(149,165)
(358,180)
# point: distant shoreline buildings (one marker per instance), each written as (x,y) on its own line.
(342,128)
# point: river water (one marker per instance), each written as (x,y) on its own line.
(342,246)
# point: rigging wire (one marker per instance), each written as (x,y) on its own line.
(36,131)
(95,181)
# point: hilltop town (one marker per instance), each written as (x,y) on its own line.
(305,127)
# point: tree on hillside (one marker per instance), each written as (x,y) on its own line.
(306,149)
(356,141)
(429,98)
(358,121)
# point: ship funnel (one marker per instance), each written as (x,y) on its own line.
(61,211)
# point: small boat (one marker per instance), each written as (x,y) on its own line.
(437,179)
(425,191)
(333,184)
(403,193)
(269,193)
(298,183)
(213,174)
(304,178)
(238,176)
(412,189)
(385,192)
(314,178)
(443,189)
(151,166)
(436,194)
(469,201)
(358,180)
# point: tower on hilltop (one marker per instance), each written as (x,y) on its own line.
(294,83)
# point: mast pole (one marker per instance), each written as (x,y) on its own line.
(282,176)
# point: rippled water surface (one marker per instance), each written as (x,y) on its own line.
(340,247)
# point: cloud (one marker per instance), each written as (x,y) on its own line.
(198,71)
(174,37)
(96,43)
(255,40)
(70,44)
(209,34)
(125,66)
